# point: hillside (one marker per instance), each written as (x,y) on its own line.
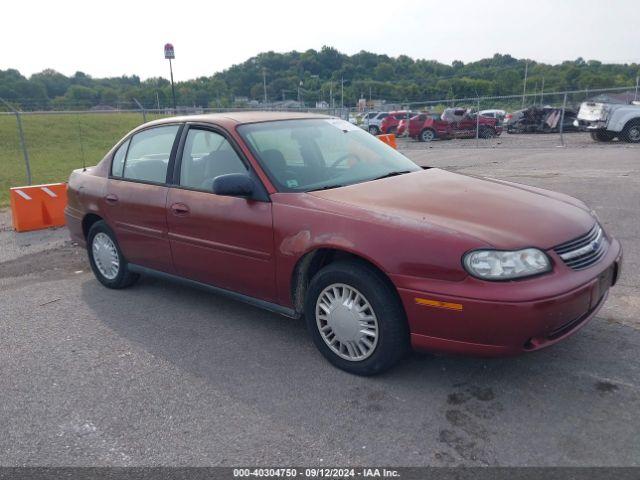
(316,75)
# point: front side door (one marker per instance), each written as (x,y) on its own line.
(136,197)
(219,240)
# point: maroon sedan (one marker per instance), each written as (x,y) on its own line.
(309,216)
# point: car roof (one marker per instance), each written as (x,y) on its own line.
(229,119)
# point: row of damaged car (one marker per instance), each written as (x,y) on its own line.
(465,123)
(543,120)
(428,126)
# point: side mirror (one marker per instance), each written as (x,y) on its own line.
(234,185)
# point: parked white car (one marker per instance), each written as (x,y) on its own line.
(372,122)
(607,121)
(498,114)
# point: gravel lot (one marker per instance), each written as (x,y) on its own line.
(520,141)
(164,375)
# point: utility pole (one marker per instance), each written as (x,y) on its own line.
(341,93)
(635,97)
(331,93)
(169,54)
(300,94)
(542,93)
(158,101)
(524,88)
(264,83)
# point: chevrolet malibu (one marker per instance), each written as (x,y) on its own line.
(310,216)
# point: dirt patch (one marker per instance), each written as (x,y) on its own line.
(48,264)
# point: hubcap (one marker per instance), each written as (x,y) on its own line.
(105,256)
(634,134)
(427,135)
(347,322)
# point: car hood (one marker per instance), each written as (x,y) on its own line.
(501,214)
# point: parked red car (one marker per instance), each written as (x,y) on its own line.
(460,124)
(311,216)
(390,123)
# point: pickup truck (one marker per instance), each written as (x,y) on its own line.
(607,121)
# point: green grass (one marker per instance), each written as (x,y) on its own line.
(57,144)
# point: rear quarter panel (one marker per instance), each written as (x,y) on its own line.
(85,193)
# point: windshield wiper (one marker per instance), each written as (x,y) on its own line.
(393,174)
(326,187)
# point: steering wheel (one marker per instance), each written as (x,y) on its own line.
(344,157)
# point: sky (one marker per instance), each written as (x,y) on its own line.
(116,37)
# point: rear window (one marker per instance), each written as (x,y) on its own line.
(148,155)
(117,164)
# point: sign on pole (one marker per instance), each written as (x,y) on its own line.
(168,51)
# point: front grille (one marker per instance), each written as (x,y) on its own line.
(583,251)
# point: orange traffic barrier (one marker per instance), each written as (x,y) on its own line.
(389,139)
(38,206)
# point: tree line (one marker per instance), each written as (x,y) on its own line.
(311,76)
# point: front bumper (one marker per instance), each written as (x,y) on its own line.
(591,124)
(472,325)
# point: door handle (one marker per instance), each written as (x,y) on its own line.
(180,209)
(111,199)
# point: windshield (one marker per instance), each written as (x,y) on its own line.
(312,154)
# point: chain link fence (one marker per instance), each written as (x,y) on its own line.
(42,147)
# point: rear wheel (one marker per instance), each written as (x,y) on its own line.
(373,130)
(631,131)
(106,259)
(427,135)
(486,132)
(602,135)
(355,318)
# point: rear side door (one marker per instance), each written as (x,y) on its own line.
(136,196)
(219,240)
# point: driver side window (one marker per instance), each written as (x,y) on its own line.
(207,155)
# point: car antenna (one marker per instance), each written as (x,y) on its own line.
(84,166)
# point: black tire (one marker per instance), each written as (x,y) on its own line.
(602,135)
(124,278)
(373,130)
(393,332)
(631,131)
(427,135)
(486,133)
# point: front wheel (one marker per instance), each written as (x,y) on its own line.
(106,259)
(373,130)
(355,318)
(631,132)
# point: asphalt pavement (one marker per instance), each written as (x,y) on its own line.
(160,374)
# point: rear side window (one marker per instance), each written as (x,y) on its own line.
(117,164)
(148,155)
(207,155)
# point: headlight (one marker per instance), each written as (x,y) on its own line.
(501,265)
